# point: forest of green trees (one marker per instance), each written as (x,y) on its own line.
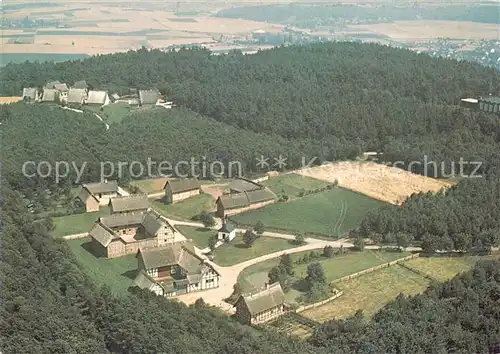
(332,101)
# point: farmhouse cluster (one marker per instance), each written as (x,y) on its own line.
(81,94)
(167,263)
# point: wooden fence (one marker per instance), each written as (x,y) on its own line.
(337,294)
(369,270)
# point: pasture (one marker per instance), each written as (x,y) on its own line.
(330,213)
(444,268)
(292,184)
(185,209)
(150,186)
(77,223)
(198,235)
(369,293)
(337,267)
(237,251)
(114,113)
(117,273)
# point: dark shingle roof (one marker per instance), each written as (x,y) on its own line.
(101,234)
(97,97)
(80,84)
(61,87)
(182,185)
(143,280)
(119,220)
(49,95)
(260,195)
(101,187)
(51,84)
(148,96)
(265,299)
(76,95)
(244,185)
(240,200)
(177,253)
(227,226)
(129,203)
(30,93)
(153,222)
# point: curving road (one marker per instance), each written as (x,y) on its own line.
(229,275)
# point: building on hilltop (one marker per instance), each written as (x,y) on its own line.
(261,306)
(51,85)
(148,97)
(240,185)
(235,203)
(129,204)
(180,189)
(227,232)
(489,104)
(93,195)
(100,98)
(30,94)
(174,270)
(80,85)
(62,89)
(76,96)
(50,95)
(121,234)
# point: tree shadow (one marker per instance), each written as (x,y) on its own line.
(242,245)
(131,274)
(202,229)
(87,246)
(300,285)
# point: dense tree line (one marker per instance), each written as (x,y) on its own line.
(342,98)
(459,316)
(50,306)
(465,218)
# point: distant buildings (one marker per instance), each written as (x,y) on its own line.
(180,189)
(235,203)
(488,104)
(94,195)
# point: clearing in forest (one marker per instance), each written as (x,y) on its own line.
(369,293)
(389,184)
(329,213)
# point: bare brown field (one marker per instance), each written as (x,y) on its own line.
(422,30)
(12,99)
(389,184)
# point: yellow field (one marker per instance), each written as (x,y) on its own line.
(369,292)
(389,184)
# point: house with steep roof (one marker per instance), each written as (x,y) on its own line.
(63,90)
(76,96)
(489,104)
(117,235)
(100,98)
(51,84)
(148,97)
(94,195)
(30,94)
(261,306)
(81,84)
(129,204)
(174,270)
(235,203)
(240,185)
(180,189)
(227,232)
(50,95)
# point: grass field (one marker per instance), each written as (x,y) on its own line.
(330,213)
(77,223)
(115,112)
(187,208)
(199,235)
(369,292)
(236,251)
(255,276)
(117,273)
(291,184)
(444,268)
(149,186)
